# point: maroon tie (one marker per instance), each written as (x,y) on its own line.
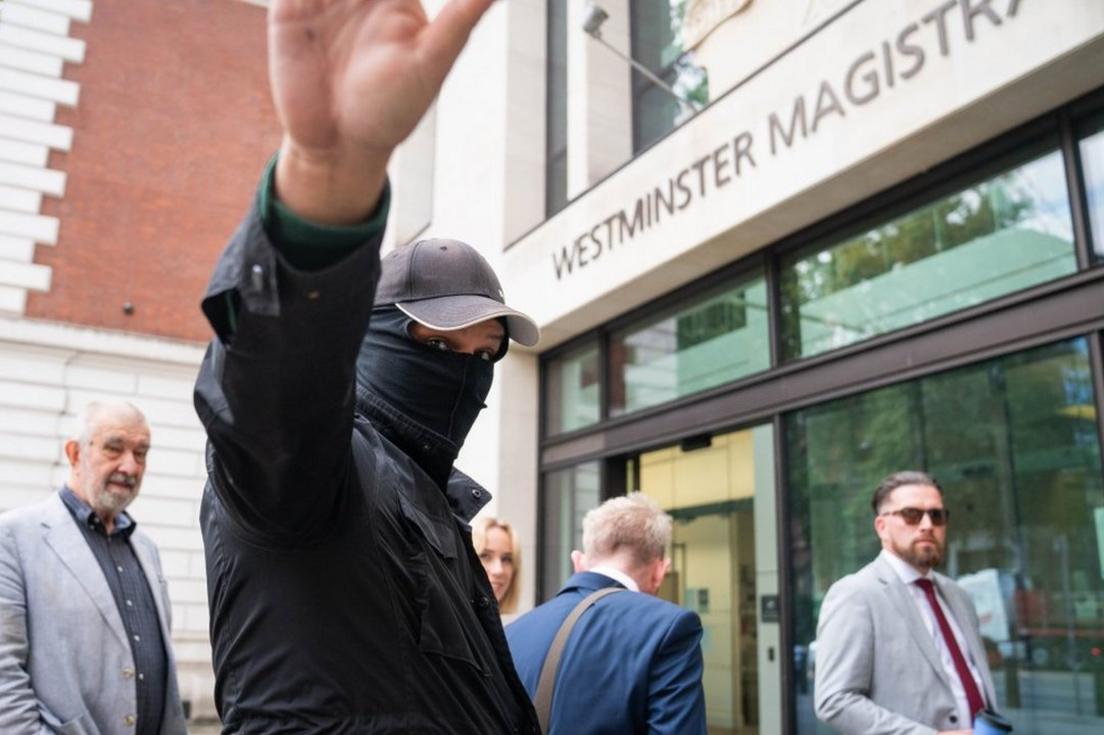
(973,696)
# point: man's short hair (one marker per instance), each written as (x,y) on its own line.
(88,420)
(898,479)
(633,522)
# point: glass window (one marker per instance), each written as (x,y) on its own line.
(572,398)
(1015,443)
(1092,164)
(556,144)
(657,44)
(724,566)
(997,236)
(568,495)
(712,340)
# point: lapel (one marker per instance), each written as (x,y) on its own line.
(65,539)
(973,641)
(144,553)
(905,606)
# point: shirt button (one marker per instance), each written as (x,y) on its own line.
(137,639)
(141,677)
(118,569)
(128,673)
(483,601)
(129,603)
(257,274)
(129,720)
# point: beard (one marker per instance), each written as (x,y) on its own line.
(921,556)
(110,497)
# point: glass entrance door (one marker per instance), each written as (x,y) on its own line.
(720,492)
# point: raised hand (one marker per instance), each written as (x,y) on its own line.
(351,79)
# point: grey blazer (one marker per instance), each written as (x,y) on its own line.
(65,663)
(877,668)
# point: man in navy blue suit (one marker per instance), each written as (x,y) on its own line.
(633,662)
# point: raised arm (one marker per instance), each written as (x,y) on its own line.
(350,80)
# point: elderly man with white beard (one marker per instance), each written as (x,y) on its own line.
(84,609)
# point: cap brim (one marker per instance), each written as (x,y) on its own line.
(448,313)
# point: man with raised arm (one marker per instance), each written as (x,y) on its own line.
(345,593)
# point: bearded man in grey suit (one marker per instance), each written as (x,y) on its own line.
(84,609)
(898,646)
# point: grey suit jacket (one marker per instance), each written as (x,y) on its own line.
(65,663)
(877,668)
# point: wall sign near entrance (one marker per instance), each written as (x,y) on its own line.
(885,64)
(769,610)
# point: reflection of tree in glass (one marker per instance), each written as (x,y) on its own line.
(1009,200)
(955,220)
(1015,443)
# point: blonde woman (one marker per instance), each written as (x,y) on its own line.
(496,542)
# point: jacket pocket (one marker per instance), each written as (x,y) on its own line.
(80,725)
(447,622)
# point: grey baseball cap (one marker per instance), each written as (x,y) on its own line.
(447,285)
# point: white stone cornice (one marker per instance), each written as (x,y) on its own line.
(35,44)
(70,49)
(45,180)
(31,61)
(37,19)
(58,137)
(35,226)
(100,341)
(61,91)
(20,105)
(28,154)
(80,10)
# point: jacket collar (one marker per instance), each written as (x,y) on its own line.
(431,451)
(65,539)
(589,581)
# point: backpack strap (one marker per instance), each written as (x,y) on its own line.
(547,683)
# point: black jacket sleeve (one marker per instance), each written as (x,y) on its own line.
(276,388)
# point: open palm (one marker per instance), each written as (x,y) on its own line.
(352,78)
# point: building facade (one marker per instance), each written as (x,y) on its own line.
(852,236)
(132,134)
(845,237)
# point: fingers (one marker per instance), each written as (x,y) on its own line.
(444,38)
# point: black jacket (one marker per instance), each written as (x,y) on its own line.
(345,593)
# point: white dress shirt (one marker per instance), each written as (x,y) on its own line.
(909,575)
(618,576)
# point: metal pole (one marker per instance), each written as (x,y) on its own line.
(646,72)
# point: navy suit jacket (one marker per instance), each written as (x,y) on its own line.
(633,663)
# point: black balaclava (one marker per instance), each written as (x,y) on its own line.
(440,391)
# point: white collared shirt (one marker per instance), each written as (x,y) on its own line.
(618,576)
(909,575)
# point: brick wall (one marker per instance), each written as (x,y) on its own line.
(132,133)
(173,125)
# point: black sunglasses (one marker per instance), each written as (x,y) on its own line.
(913,516)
